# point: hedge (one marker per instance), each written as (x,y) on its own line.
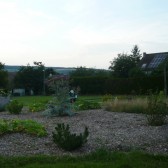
(107,85)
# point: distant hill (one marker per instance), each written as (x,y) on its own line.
(61,70)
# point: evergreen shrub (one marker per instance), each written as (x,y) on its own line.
(67,140)
(14,107)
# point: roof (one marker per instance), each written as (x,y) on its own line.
(153,60)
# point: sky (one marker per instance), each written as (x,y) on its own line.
(73,33)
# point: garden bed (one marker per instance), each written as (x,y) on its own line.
(116,131)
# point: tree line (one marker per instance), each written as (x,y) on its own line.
(124,66)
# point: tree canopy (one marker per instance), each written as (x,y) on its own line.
(135,54)
(32,77)
(125,65)
(83,72)
(3,77)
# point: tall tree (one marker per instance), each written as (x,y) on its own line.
(32,77)
(125,65)
(121,66)
(135,54)
(3,77)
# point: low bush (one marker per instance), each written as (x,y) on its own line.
(67,140)
(107,97)
(130,106)
(27,126)
(14,107)
(87,105)
(157,110)
(36,107)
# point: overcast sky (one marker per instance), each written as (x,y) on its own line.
(74,33)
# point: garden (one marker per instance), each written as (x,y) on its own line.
(123,131)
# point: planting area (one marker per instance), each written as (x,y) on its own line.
(113,130)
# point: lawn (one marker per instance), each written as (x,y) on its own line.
(28,100)
(99,159)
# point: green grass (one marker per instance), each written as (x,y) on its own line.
(123,104)
(36,103)
(99,159)
(30,100)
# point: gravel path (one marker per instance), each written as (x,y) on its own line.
(116,131)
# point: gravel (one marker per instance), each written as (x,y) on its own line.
(112,130)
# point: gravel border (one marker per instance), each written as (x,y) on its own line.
(116,131)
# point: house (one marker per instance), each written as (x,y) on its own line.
(149,62)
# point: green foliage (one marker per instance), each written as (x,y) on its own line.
(14,107)
(4,92)
(60,104)
(36,107)
(85,72)
(32,77)
(136,73)
(26,126)
(30,100)
(107,97)
(90,85)
(87,105)
(121,66)
(67,140)
(61,109)
(3,77)
(117,86)
(135,54)
(157,110)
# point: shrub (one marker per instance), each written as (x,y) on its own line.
(36,107)
(14,107)
(68,141)
(86,105)
(157,110)
(60,104)
(27,126)
(3,126)
(107,97)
